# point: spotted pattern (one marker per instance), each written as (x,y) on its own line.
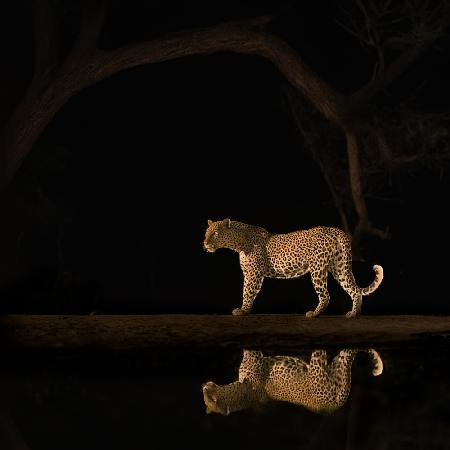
(317,251)
(318,386)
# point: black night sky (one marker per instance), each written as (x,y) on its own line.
(130,169)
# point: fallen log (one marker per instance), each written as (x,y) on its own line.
(128,332)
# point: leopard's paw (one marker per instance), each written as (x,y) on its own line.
(239,312)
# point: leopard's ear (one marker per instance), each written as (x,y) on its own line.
(210,222)
(227,222)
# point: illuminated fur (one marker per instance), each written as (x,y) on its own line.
(318,386)
(317,250)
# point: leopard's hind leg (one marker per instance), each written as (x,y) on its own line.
(340,371)
(341,269)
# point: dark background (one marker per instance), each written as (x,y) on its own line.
(130,170)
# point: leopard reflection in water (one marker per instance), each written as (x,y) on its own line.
(318,386)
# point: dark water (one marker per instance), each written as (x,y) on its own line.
(154,400)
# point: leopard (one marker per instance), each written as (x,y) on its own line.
(317,386)
(318,251)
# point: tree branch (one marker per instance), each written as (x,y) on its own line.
(38,108)
(361,98)
(363,225)
(45,37)
(236,37)
(424,22)
(93,15)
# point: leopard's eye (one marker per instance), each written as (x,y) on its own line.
(216,233)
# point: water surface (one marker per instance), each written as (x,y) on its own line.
(155,400)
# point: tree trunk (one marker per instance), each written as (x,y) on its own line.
(354,170)
(33,115)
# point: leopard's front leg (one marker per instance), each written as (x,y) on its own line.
(252,285)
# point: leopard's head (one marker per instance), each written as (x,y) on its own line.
(213,401)
(217,235)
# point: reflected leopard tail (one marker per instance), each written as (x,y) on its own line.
(377,362)
(376,282)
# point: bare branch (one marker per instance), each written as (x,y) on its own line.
(92,18)
(361,98)
(406,137)
(428,21)
(378,27)
(84,69)
(45,37)
(234,37)
(372,22)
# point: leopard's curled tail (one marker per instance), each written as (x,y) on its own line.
(375,283)
(377,362)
